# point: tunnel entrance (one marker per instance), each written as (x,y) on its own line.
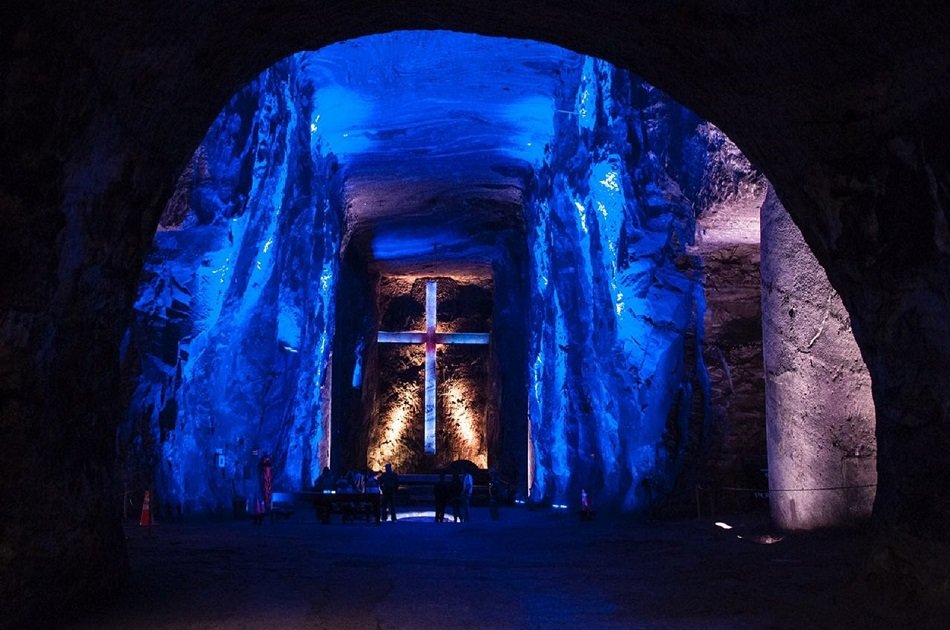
(422,317)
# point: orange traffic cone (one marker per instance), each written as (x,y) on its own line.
(146,519)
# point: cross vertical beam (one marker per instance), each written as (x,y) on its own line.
(429,434)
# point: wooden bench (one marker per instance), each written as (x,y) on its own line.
(419,489)
(281,505)
(349,505)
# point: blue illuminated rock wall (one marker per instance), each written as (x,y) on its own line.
(234,320)
(613,314)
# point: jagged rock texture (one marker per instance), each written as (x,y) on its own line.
(821,421)
(234,320)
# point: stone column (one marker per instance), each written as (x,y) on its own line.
(820,417)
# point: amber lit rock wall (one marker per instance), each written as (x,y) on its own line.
(466,399)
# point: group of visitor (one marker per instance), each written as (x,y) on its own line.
(458,492)
(353,482)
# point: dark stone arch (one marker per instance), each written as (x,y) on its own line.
(842,105)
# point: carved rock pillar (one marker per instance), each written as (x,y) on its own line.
(819,411)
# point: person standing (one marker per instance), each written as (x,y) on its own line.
(441,491)
(359,482)
(455,496)
(325,482)
(388,483)
(371,483)
(267,481)
(466,496)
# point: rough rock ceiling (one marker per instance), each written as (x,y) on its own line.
(437,135)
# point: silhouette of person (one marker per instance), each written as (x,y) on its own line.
(466,495)
(388,483)
(344,485)
(358,481)
(441,491)
(324,481)
(587,510)
(371,483)
(267,481)
(455,496)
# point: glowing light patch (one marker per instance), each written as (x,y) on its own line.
(329,273)
(582,213)
(357,379)
(397,423)
(723,525)
(343,115)
(585,110)
(422,516)
(457,397)
(417,242)
(610,181)
(534,117)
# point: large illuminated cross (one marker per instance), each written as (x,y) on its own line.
(430,337)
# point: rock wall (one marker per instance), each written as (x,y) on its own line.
(734,454)
(726,255)
(613,320)
(235,316)
(820,412)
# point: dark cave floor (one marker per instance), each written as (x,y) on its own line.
(527,570)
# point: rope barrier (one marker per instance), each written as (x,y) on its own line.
(867,485)
(711,493)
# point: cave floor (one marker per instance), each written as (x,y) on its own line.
(530,569)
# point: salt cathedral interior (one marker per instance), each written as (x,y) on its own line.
(647,252)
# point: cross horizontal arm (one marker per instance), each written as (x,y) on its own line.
(463,338)
(401,337)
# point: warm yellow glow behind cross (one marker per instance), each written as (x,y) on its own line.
(430,337)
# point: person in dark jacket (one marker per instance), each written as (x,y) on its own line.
(388,483)
(441,492)
(455,496)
